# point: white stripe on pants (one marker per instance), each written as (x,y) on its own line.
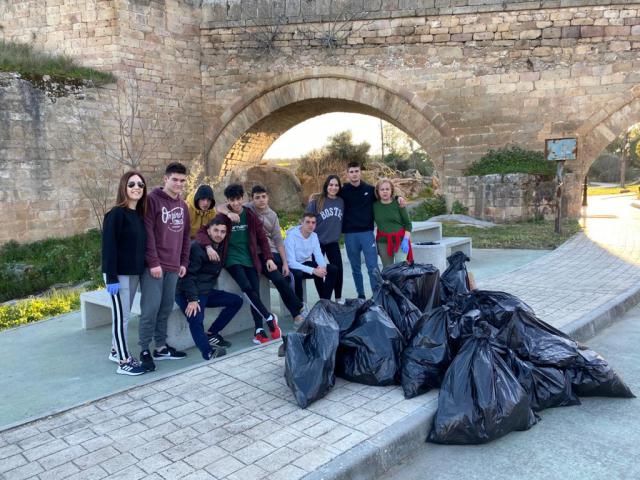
(121,312)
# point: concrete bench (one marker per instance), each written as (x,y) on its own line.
(426,232)
(95,311)
(436,254)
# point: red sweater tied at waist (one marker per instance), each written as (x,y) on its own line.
(393,242)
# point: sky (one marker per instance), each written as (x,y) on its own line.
(314,132)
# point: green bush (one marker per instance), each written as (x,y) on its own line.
(430,208)
(512,160)
(27,269)
(34,309)
(21,58)
(459,208)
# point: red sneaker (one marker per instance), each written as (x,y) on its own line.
(274,329)
(260,337)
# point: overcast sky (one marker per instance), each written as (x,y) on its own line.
(314,133)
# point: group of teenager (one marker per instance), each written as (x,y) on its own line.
(174,249)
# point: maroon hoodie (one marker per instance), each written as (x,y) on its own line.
(167,225)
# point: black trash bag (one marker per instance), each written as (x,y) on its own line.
(310,353)
(344,314)
(404,314)
(419,282)
(547,387)
(593,377)
(426,359)
(370,351)
(460,327)
(538,342)
(496,307)
(480,399)
(455,279)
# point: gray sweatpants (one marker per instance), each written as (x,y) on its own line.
(157,296)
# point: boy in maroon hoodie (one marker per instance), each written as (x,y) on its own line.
(166,259)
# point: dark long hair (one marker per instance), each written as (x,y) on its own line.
(123,201)
(323,196)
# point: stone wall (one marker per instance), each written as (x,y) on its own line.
(39,184)
(153,44)
(231,13)
(513,197)
(460,84)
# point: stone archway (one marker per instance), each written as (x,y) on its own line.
(247,129)
(596,134)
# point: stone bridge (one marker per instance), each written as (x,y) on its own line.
(460,76)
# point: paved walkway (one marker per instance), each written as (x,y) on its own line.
(236,419)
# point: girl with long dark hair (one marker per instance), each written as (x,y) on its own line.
(329,209)
(124,240)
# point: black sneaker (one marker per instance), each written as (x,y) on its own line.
(362,297)
(147,361)
(217,352)
(218,341)
(281,349)
(168,353)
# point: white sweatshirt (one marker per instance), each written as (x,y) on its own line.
(300,250)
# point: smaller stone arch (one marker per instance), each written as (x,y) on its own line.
(245,131)
(604,127)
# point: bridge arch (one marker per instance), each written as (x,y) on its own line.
(604,127)
(245,131)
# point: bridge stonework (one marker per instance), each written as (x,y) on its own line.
(460,76)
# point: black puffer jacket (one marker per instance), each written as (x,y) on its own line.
(202,273)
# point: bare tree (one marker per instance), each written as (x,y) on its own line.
(122,139)
(265,36)
(335,32)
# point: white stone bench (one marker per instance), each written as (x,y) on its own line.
(457,244)
(426,232)
(95,311)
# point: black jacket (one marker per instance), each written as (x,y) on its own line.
(124,240)
(202,273)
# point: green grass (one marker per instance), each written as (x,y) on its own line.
(23,59)
(512,160)
(27,269)
(35,309)
(535,235)
(612,190)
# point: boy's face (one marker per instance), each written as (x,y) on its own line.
(217,233)
(174,183)
(235,204)
(354,174)
(308,224)
(261,200)
(204,204)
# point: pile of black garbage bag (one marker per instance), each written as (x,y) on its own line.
(496,364)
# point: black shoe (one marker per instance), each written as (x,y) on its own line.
(168,353)
(362,297)
(281,350)
(217,352)
(147,361)
(218,341)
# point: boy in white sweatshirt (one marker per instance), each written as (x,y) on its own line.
(306,259)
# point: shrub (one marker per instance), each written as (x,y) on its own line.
(34,309)
(458,207)
(21,58)
(26,269)
(512,160)
(430,208)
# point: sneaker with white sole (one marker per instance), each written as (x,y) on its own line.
(217,341)
(130,367)
(274,328)
(260,337)
(168,353)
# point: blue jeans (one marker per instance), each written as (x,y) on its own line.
(363,242)
(217,298)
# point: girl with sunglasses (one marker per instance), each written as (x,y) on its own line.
(124,240)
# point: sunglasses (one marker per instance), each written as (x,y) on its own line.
(133,184)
